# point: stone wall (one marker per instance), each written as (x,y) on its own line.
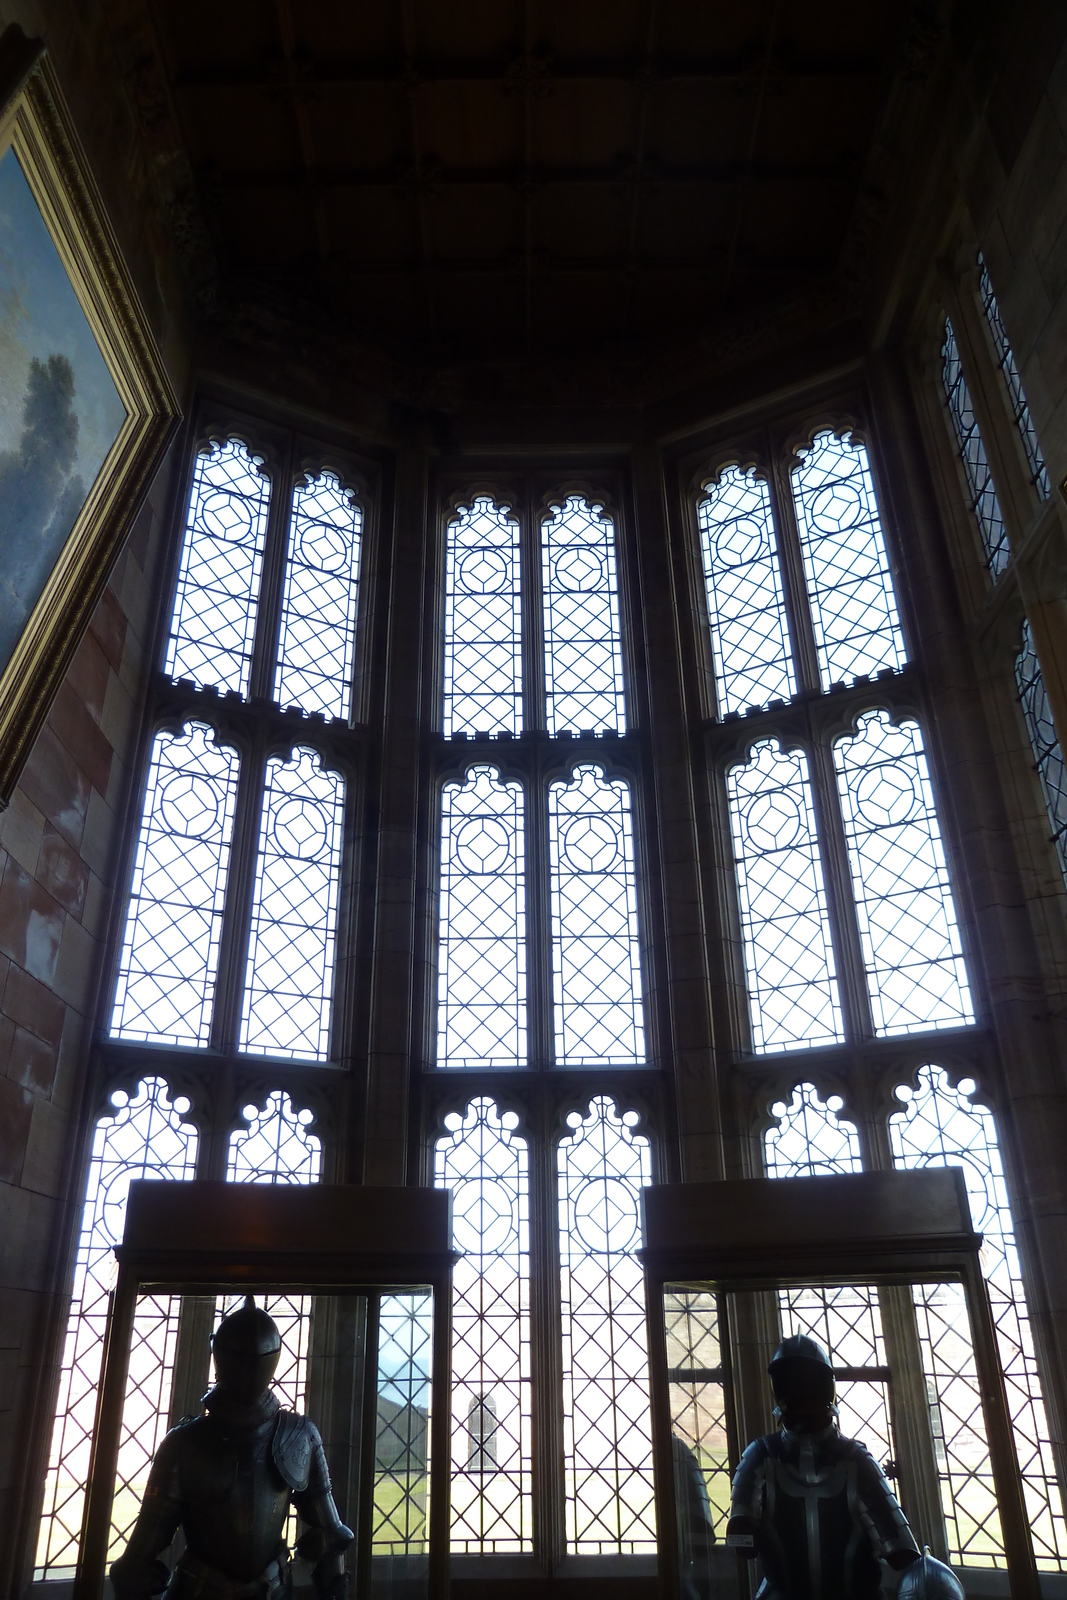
(59,836)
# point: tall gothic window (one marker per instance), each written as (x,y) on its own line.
(1013,383)
(1048,756)
(940,1125)
(935,1125)
(982,491)
(540,977)
(846,909)
(993,530)
(230,938)
(145,1136)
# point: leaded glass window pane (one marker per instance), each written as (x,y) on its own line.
(602,1167)
(942,1126)
(319,603)
(289,982)
(907,920)
(1048,756)
(486,1165)
(789,958)
(144,1138)
(697,1397)
(277,1146)
(401,1507)
(170,948)
(483,622)
(812,1140)
(214,622)
(482,945)
(595,956)
(583,649)
(983,492)
(850,588)
(746,603)
(1016,394)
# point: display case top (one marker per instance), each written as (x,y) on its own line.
(871,1219)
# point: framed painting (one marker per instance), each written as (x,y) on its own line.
(86,407)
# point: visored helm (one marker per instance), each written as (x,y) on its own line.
(927,1579)
(246,1346)
(802,1377)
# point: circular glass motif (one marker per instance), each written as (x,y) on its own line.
(226,515)
(483,1218)
(774,821)
(482,844)
(837,506)
(591,844)
(741,542)
(189,805)
(325,546)
(579,569)
(605,1215)
(886,796)
(300,829)
(483,571)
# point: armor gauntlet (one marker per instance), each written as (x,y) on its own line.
(326,1538)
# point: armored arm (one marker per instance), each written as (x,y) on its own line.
(138,1572)
(746,1500)
(886,1525)
(326,1538)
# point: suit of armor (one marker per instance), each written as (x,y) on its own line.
(227,1479)
(822,1516)
(814,1507)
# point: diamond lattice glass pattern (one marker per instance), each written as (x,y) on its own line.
(853,606)
(402,1442)
(145,1138)
(602,1166)
(971,450)
(746,604)
(170,948)
(812,1140)
(1014,383)
(941,1126)
(809,1139)
(908,929)
(319,605)
(1048,756)
(595,954)
(483,622)
(294,911)
(697,1397)
(276,1146)
(482,943)
(789,959)
(214,622)
(583,651)
(486,1166)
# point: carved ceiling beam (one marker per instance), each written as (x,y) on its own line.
(304,75)
(430,177)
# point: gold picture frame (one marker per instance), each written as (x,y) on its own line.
(36,126)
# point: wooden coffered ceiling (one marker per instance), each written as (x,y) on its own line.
(517,180)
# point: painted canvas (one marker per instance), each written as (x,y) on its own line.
(60,412)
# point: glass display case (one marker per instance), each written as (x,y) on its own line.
(733,1268)
(357,1281)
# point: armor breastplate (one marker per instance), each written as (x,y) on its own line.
(813,1542)
(236,1500)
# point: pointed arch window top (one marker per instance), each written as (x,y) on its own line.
(745,595)
(583,645)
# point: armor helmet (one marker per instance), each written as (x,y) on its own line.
(801,1376)
(928,1579)
(246,1346)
